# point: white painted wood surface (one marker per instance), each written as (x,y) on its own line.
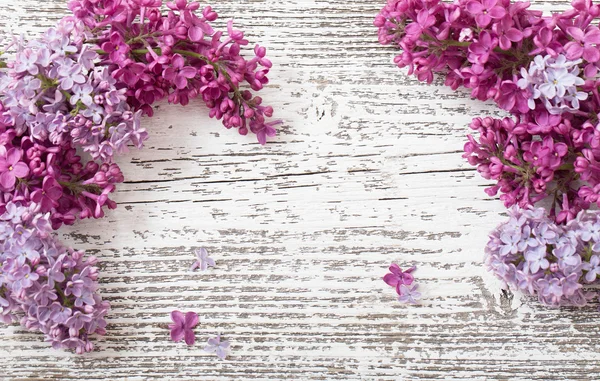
(367,170)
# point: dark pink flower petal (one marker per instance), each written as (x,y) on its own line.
(169,74)
(177,61)
(474,7)
(20,170)
(190,338)
(591,54)
(13,156)
(425,19)
(195,33)
(413,29)
(188,72)
(407,278)
(54,192)
(177,317)
(7,180)
(261,136)
(504,42)
(489,4)
(391,279)
(395,269)
(574,50)
(483,20)
(576,33)
(497,12)
(191,319)
(592,36)
(514,35)
(478,48)
(590,71)
(561,149)
(177,333)
(180,82)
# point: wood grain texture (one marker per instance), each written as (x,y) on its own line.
(367,170)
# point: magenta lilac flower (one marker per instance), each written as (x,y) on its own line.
(541,69)
(179,56)
(397,277)
(71,101)
(183,326)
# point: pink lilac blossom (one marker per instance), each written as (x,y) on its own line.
(542,69)
(556,263)
(179,56)
(80,90)
(183,326)
(531,160)
(403,282)
(52,176)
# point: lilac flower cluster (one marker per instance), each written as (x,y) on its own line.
(55,92)
(530,164)
(403,281)
(555,262)
(83,87)
(542,69)
(52,176)
(52,288)
(179,56)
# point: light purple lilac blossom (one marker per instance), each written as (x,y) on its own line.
(46,286)
(204,261)
(217,346)
(68,98)
(409,294)
(555,82)
(553,262)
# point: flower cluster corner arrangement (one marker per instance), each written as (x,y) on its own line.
(544,71)
(70,102)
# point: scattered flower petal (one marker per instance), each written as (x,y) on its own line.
(218,346)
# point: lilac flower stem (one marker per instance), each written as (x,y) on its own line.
(213,64)
(142,37)
(194,55)
(65,300)
(465,44)
(77,188)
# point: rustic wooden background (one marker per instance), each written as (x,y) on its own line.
(367,170)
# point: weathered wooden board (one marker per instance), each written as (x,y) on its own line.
(366,171)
